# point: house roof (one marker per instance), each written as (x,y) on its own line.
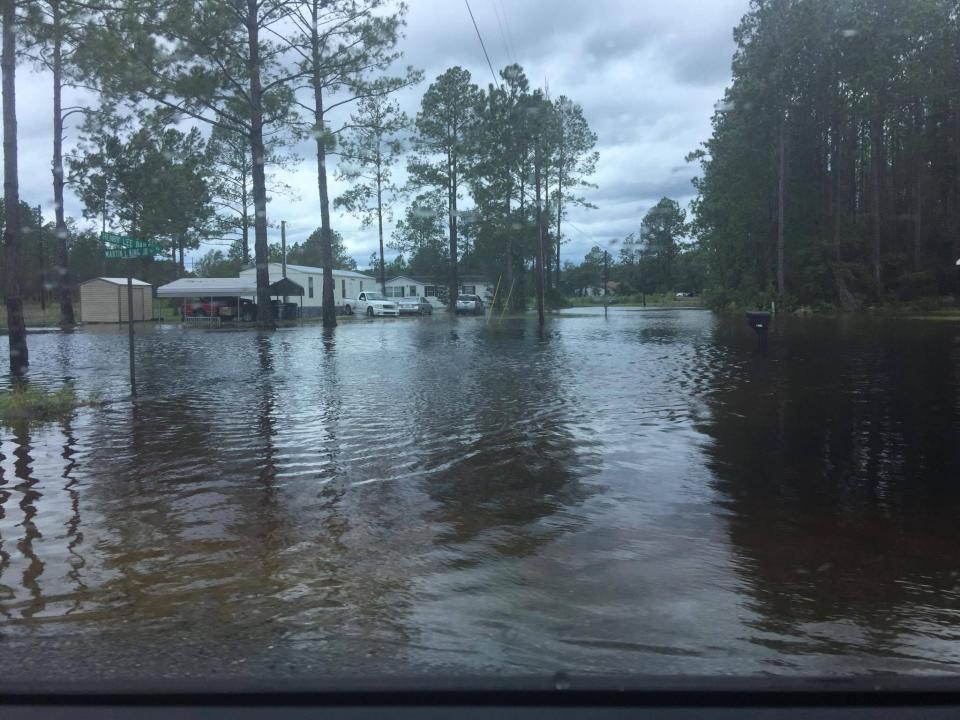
(116,281)
(311,270)
(426,281)
(415,278)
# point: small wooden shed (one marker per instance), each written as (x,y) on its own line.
(104,300)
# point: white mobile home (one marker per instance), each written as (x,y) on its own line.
(347,284)
(104,300)
(436,293)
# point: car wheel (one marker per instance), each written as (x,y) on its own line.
(348,310)
(369,312)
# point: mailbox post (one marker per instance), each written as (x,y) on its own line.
(759,321)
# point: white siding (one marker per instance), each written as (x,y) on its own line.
(344,288)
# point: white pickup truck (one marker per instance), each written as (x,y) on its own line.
(372,303)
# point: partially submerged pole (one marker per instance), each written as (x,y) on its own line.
(493,303)
(759,321)
(133,375)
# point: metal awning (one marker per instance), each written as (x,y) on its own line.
(208,287)
(285,287)
(225,287)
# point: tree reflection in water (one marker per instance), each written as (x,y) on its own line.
(837,469)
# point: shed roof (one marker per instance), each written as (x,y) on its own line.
(286,286)
(116,281)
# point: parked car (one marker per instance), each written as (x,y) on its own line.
(470,304)
(370,304)
(222,307)
(415,306)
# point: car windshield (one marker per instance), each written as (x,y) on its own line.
(696,413)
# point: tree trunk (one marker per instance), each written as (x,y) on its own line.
(12,250)
(245,230)
(539,254)
(918,192)
(261,252)
(383,270)
(328,309)
(876,141)
(181,266)
(781,197)
(63,276)
(452,220)
(837,204)
(559,208)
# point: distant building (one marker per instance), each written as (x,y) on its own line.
(597,290)
(436,293)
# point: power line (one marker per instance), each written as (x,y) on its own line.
(483,47)
(506,22)
(503,34)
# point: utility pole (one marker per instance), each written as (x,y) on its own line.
(133,374)
(43,262)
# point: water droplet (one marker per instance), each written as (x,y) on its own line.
(849,32)
(561,681)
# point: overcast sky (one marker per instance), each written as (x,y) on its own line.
(646,72)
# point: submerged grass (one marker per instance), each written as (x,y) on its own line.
(32,403)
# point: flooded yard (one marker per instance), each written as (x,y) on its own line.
(642,493)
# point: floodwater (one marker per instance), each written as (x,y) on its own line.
(642,493)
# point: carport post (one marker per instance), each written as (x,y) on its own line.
(237,318)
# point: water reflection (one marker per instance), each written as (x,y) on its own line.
(641,493)
(839,488)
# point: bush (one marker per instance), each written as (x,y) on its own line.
(29,403)
(913,286)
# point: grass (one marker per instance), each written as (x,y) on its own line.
(656,300)
(31,403)
(35,316)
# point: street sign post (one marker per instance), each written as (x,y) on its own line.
(123,247)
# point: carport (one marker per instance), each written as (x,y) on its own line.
(238,287)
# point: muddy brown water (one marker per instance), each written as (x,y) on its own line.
(644,493)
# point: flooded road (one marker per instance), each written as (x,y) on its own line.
(637,494)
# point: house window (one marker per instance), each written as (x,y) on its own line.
(343,288)
(429,290)
(310,286)
(413,291)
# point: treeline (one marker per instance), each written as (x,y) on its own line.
(833,171)
(659,259)
(197,103)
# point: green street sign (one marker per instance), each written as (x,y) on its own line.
(121,246)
